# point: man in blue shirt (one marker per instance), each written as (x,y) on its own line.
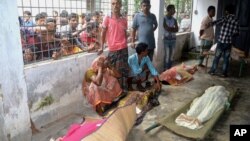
(27,21)
(140,66)
(145,23)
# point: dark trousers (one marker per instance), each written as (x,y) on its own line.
(225,50)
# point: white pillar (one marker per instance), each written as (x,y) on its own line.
(14,107)
(157,7)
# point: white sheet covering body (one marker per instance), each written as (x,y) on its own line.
(204,107)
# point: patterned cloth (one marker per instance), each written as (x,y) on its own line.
(178,75)
(119,60)
(230,26)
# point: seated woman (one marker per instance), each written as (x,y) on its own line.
(178,75)
(100,85)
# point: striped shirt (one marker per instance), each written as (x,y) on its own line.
(230,26)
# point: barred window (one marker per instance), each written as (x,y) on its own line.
(183,13)
(56,28)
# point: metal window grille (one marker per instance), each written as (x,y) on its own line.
(46,35)
(183,13)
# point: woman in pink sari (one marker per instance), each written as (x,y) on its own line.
(100,84)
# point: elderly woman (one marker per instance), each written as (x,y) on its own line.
(100,84)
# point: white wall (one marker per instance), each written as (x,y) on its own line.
(157,8)
(182,41)
(14,93)
(201,6)
(3,136)
(61,79)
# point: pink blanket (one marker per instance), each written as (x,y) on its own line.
(77,132)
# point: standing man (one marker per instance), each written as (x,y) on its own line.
(206,34)
(229,29)
(170,28)
(114,32)
(145,24)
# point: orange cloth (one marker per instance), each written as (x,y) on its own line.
(178,75)
(74,50)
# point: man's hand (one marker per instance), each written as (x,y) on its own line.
(100,51)
(75,34)
(157,86)
(201,32)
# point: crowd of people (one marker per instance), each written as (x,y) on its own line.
(59,35)
(110,77)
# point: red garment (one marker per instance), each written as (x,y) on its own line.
(29,42)
(116,34)
(87,39)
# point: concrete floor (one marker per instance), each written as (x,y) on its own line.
(171,99)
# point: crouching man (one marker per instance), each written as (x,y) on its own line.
(140,67)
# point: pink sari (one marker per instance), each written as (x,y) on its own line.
(78,131)
(103,94)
